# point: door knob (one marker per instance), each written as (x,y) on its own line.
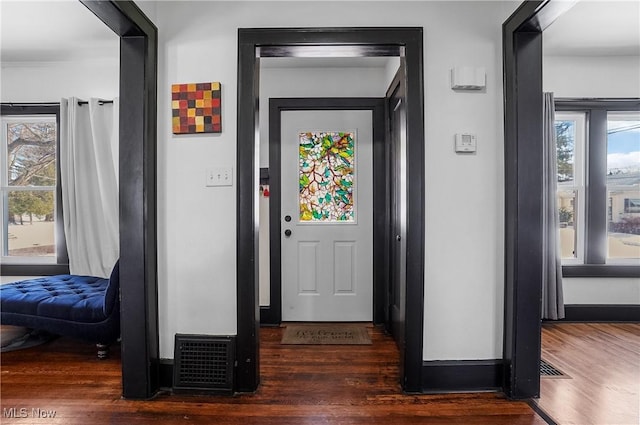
(287,233)
(398,238)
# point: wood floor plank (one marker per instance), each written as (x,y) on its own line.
(346,385)
(603,362)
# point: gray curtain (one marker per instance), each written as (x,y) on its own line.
(552,298)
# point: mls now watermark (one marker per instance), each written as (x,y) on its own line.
(23,412)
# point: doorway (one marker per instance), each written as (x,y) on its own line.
(375,107)
(326,202)
(138,109)
(522,57)
(256,43)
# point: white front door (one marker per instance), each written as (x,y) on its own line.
(327,217)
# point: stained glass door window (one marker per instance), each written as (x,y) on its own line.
(326,175)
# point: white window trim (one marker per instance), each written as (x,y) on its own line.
(5,188)
(620,116)
(578,184)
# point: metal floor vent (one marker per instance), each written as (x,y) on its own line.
(549,370)
(203,363)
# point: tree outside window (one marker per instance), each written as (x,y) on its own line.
(29,186)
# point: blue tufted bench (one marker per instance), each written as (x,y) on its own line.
(85,307)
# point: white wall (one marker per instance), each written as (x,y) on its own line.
(604,77)
(390,69)
(50,81)
(586,290)
(592,76)
(464,236)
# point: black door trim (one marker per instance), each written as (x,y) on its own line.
(272,314)
(247,372)
(138,126)
(522,63)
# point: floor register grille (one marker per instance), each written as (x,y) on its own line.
(549,370)
(203,363)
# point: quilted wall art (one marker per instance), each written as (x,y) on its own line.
(196,108)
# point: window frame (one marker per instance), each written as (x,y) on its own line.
(578,185)
(596,195)
(32,267)
(630,203)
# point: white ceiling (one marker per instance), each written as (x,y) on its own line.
(596,28)
(52,31)
(63,30)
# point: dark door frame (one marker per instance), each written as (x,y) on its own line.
(138,126)
(248,308)
(272,314)
(522,62)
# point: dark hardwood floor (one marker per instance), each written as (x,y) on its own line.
(300,385)
(603,363)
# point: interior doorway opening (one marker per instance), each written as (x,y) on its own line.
(138,233)
(522,57)
(271,314)
(255,44)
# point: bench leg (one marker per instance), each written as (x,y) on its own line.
(103,351)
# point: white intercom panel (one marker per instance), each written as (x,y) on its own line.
(465,143)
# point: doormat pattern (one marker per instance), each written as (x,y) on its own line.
(326,334)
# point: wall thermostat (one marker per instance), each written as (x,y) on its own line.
(465,143)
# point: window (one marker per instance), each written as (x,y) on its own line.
(31,231)
(570,139)
(598,158)
(623,185)
(631,206)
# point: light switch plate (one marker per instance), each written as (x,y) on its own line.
(219,176)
